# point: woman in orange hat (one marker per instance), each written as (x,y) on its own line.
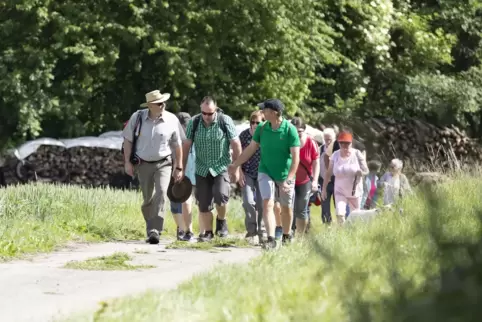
(348,165)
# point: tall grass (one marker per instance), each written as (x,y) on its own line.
(422,264)
(40,217)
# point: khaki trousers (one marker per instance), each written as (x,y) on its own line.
(154,180)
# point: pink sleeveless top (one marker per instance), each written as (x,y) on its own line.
(345,170)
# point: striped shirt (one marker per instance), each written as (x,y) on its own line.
(212,145)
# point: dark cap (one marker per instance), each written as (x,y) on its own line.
(183,117)
(273,104)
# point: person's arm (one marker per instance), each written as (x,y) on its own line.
(295,162)
(362,162)
(329,173)
(233,138)
(176,143)
(186,144)
(326,158)
(315,165)
(295,152)
(249,151)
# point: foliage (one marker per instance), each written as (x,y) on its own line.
(422,264)
(81,68)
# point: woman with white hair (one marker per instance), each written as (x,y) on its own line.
(394,183)
(326,150)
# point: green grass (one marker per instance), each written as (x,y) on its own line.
(424,264)
(42,217)
(216,243)
(115,262)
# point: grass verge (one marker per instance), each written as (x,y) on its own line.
(216,243)
(115,262)
(419,265)
(41,217)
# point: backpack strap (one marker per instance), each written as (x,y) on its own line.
(197,119)
(195,124)
(261,130)
(222,123)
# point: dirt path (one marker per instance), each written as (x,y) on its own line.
(40,289)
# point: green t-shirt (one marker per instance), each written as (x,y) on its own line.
(275,148)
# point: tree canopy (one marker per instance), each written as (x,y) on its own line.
(71,68)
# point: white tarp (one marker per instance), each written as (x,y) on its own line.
(30,147)
(112,140)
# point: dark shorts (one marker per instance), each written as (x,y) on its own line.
(209,189)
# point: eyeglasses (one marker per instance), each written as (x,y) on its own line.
(206,113)
(254,122)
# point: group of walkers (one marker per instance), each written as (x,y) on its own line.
(281,169)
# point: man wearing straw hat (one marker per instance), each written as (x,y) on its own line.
(149,137)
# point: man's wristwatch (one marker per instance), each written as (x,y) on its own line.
(290,181)
(180,169)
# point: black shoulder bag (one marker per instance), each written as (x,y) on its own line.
(134,159)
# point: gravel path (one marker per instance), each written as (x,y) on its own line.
(41,290)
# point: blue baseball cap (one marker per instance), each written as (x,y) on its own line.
(273,104)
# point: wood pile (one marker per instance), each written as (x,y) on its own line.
(94,166)
(420,145)
(85,166)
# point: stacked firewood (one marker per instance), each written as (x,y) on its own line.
(421,145)
(94,166)
(87,166)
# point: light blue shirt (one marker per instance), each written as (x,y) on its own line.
(191,166)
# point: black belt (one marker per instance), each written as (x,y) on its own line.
(157,161)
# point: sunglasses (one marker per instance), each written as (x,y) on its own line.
(254,122)
(208,114)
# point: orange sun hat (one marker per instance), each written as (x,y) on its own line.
(345,137)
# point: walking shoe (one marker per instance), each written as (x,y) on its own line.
(180,234)
(278,232)
(153,237)
(261,237)
(188,236)
(286,239)
(270,243)
(251,238)
(221,227)
(207,237)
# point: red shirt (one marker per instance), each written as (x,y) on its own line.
(308,153)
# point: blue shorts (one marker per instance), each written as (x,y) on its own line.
(176,208)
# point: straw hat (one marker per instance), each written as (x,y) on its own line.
(156,97)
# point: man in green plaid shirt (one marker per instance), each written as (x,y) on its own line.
(213,137)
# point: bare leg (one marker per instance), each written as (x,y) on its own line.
(286,219)
(269,216)
(187,214)
(301,226)
(221,211)
(277,214)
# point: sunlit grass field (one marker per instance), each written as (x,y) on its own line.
(42,217)
(421,264)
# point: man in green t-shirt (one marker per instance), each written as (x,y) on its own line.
(279,143)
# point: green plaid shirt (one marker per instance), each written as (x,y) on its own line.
(212,146)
